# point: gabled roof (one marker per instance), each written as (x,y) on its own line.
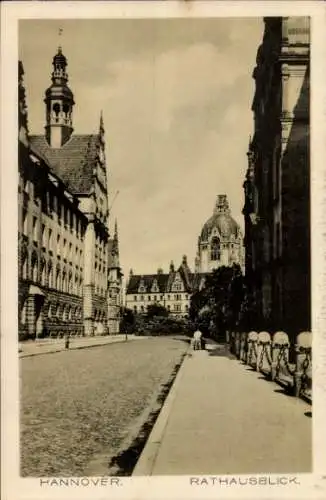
(74,162)
(164,281)
(148,280)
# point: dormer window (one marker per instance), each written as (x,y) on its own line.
(141,288)
(155,288)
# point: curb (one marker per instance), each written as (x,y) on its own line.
(73,348)
(146,461)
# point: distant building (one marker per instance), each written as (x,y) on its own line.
(220,244)
(64,245)
(277,185)
(171,290)
(221,241)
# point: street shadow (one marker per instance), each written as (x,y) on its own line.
(283,388)
(124,462)
(221,351)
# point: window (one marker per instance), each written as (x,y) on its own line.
(58,245)
(64,248)
(43,274)
(177,307)
(162,297)
(135,309)
(65,216)
(43,236)
(149,298)
(50,276)
(35,228)
(142,297)
(155,298)
(142,308)
(25,222)
(25,261)
(57,280)
(34,270)
(135,298)
(70,251)
(59,211)
(168,297)
(50,240)
(215,249)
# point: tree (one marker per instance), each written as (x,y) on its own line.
(156,310)
(127,320)
(219,303)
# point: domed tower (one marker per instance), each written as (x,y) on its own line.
(221,241)
(59,101)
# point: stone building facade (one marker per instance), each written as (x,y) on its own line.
(221,241)
(277,184)
(64,244)
(171,290)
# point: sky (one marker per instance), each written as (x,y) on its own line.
(176,98)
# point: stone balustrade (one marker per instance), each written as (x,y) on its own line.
(270,355)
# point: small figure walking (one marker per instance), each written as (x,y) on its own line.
(197,340)
(67,341)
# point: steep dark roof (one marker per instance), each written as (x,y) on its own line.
(148,280)
(164,282)
(73,163)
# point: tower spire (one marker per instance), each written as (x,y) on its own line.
(59,101)
(101,128)
(115,245)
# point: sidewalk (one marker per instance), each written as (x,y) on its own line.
(223,418)
(46,346)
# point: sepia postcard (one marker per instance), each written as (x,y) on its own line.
(162,250)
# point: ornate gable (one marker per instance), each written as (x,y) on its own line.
(177,284)
(155,287)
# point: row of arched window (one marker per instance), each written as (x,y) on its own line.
(55,311)
(99,316)
(57,278)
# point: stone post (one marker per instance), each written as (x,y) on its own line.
(302,351)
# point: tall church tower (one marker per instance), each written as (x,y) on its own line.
(114,285)
(59,101)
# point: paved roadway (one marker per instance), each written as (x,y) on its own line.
(224,418)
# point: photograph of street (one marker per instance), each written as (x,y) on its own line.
(164,267)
